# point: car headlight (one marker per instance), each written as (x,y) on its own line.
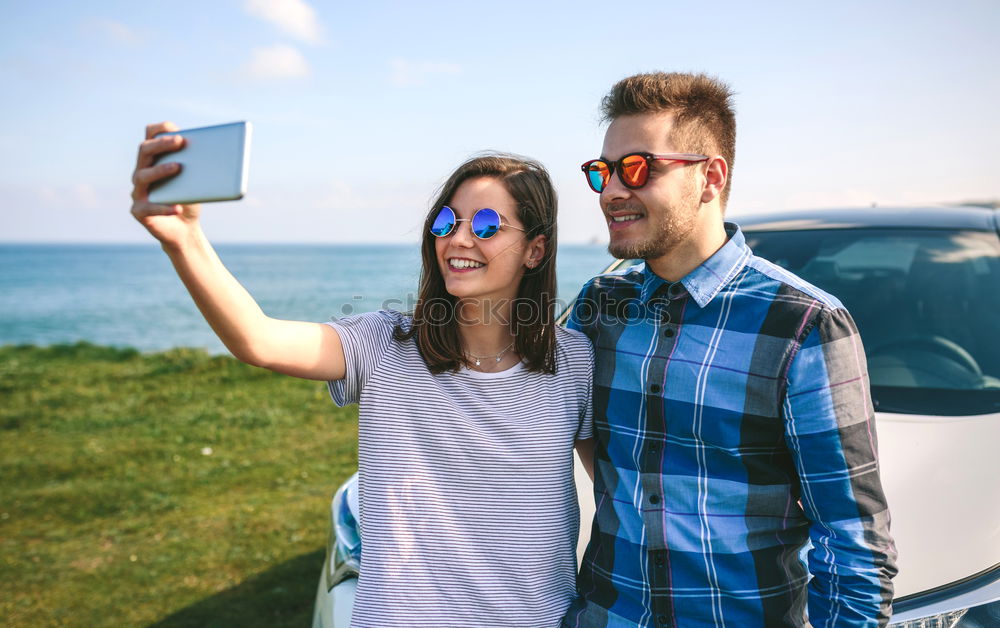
(343,548)
(944,620)
(982,616)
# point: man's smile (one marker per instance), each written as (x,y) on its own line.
(622,219)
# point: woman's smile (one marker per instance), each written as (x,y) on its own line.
(463,264)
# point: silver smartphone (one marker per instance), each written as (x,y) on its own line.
(214,165)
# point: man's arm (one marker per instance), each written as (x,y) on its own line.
(830,430)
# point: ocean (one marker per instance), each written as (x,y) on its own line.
(127,295)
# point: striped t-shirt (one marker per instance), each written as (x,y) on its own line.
(469,512)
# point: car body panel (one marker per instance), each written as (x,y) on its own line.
(333,607)
(945,512)
(938,472)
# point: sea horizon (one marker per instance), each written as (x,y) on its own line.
(126,294)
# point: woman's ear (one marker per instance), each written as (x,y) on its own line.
(535,253)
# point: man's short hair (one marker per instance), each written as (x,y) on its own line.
(704,120)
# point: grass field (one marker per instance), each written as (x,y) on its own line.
(168,489)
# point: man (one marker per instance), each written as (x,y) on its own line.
(731,399)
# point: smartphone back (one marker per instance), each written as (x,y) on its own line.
(214,165)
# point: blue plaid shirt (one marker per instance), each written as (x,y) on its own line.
(733,424)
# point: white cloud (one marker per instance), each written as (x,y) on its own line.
(74,196)
(68,212)
(409,72)
(334,211)
(277,62)
(86,196)
(338,195)
(115,31)
(294,17)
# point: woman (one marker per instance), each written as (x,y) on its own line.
(469,407)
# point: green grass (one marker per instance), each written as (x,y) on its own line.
(176,489)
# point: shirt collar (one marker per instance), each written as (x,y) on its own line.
(705,281)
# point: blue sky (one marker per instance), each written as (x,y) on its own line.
(362,109)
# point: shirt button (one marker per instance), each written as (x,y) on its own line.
(662,619)
(654,499)
(654,449)
(660,562)
(655,388)
(669,333)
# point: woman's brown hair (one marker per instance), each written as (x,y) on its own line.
(435,319)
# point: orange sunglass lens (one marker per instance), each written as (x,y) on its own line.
(634,170)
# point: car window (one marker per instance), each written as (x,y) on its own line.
(926,302)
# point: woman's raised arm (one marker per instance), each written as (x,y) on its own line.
(300,349)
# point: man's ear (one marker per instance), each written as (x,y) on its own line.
(536,252)
(716,175)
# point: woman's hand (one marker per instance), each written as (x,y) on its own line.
(170,224)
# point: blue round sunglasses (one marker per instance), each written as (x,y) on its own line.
(485,223)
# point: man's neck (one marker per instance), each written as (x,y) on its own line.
(681,260)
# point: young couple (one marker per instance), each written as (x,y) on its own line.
(720,404)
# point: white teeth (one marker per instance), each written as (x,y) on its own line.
(626,218)
(464,263)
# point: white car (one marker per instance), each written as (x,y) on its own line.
(923,285)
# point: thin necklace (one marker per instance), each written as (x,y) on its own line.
(479,358)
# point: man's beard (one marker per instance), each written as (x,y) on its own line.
(673,227)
